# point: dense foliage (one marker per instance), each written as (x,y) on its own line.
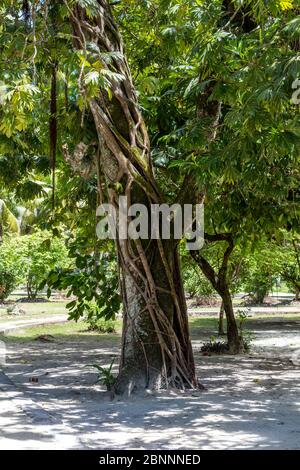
(92,281)
(32,257)
(215,84)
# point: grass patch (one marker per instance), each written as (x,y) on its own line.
(205,323)
(210,324)
(64,331)
(275,317)
(33,310)
(71,331)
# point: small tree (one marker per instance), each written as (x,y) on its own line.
(264,265)
(290,271)
(31,258)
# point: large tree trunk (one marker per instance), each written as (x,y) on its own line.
(156,347)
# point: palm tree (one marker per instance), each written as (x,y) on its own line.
(8,221)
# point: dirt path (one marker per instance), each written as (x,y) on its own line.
(251,402)
(15,324)
(253,310)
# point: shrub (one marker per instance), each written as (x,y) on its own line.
(93,282)
(101,325)
(215,346)
(8,282)
(32,257)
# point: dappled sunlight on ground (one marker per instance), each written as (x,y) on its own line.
(250,402)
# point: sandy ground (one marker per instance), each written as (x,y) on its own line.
(250,402)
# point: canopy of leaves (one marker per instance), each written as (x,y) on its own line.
(215,84)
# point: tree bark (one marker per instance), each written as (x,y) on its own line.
(235,343)
(156,349)
(156,346)
(221,331)
(296,288)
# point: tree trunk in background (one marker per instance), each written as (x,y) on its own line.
(156,347)
(219,282)
(221,331)
(260,295)
(235,343)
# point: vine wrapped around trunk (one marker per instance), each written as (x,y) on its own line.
(156,347)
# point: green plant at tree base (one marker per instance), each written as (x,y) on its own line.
(105,376)
(215,346)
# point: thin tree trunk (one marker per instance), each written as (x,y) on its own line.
(220,283)
(235,342)
(28,290)
(221,331)
(156,347)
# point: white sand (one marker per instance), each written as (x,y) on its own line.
(251,402)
